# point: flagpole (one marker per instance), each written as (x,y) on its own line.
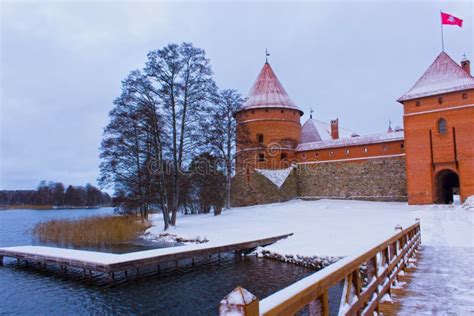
(442,35)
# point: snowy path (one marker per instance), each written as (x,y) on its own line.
(442,284)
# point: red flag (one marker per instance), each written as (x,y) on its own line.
(449,19)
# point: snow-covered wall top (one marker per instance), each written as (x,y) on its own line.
(353,141)
(315,131)
(444,75)
(277,177)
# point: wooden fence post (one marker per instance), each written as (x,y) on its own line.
(239,302)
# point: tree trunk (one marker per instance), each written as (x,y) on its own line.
(228,184)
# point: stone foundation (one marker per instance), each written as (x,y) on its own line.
(255,189)
(381,179)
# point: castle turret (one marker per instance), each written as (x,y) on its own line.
(268,125)
(466,65)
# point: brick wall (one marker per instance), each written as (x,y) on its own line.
(280,130)
(424,161)
(349,152)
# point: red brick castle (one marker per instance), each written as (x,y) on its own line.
(429,161)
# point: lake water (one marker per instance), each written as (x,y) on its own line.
(26,290)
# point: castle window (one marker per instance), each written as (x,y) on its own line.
(385,148)
(253,111)
(260,138)
(366,149)
(402,145)
(440,100)
(346,152)
(304,156)
(282,111)
(266,110)
(283,156)
(442,126)
(316,155)
(261,157)
(464,95)
(331,153)
(418,103)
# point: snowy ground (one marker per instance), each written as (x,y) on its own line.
(327,227)
(443,283)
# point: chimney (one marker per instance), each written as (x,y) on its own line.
(466,65)
(335,129)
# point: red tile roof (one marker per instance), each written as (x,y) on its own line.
(444,75)
(267,92)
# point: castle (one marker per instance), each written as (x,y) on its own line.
(429,161)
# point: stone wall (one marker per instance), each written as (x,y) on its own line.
(381,179)
(257,189)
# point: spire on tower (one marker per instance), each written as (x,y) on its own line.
(390,130)
(266,55)
(311,113)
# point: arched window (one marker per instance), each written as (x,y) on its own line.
(442,126)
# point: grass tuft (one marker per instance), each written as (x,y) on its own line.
(94,231)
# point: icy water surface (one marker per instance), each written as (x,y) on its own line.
(188,291)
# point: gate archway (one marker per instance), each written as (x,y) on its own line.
(447,183)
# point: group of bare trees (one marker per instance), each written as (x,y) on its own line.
(169,120)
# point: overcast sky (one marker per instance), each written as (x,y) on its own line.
(62,64)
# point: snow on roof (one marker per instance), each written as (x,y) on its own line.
(353,141)
(444,75)
(315,131)
(277,177)
(268,92)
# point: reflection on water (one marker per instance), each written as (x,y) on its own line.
(186,291)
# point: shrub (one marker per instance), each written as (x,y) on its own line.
(94,231)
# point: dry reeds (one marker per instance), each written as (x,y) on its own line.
(94,231)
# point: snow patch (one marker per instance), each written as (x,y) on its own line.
(172,238)
(314,262)
(469,203)
(233,303)
(386,298)
(277,177)
(399,284)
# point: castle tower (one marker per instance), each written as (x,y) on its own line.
(439,124)
(268,125)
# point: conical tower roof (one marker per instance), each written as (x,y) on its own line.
(444,75)
(267,92)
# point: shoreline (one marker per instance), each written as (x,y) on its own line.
(47,207)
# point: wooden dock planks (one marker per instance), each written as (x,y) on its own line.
(110,263)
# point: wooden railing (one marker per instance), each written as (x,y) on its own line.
(367,276)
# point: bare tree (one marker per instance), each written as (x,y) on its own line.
(182,78)
(122,159)
(221,133)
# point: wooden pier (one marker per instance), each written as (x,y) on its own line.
(111,263)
